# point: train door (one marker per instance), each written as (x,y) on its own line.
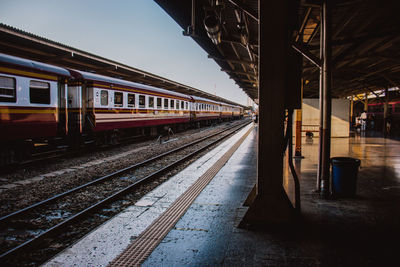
(84,90)
(75,109)
(62,108)
(89,114)
(192,111)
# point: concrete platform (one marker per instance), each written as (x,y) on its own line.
(101,246)
(361,231)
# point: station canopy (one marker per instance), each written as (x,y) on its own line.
(27,45)
(365,41)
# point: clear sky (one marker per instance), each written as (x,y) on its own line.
(134,32)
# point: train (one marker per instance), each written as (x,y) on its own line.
(375,116)
(43,103)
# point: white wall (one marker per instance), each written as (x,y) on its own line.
(340,116)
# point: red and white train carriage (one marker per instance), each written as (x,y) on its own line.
(39,101)
(32,97)
(117,104)
(205,109)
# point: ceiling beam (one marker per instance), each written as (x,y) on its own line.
(303,24)
(242,61)
(239,72)
(307,54)
(247,9)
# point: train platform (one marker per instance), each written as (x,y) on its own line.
(359,231)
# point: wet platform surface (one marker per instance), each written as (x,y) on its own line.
(359,231)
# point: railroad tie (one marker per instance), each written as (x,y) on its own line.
(148,240)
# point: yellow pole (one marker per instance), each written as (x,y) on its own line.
(298,126)
(351,112)
(365,102)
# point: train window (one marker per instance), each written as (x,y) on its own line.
(187,105)
(171,104)
(159,102)
(177,104)
(182,105)
(104,98)
(165,103)
(118,99)
(142,101)
(131,100)
(39,92)
(7,89)
(151,102)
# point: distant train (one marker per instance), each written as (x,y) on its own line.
(375,116)
(45,103)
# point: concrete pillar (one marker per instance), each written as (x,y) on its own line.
(271,205)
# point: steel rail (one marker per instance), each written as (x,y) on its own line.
(104,178)
(53,230)
(65,151)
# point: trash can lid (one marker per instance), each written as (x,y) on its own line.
(345,160)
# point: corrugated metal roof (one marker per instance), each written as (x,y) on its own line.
(366,41)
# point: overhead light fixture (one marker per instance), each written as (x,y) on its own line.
(213,28)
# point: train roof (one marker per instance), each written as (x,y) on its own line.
(35,65)
(198,98)
(100,78)
(229,105)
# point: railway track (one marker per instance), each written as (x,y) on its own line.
(44,221)
(45,155)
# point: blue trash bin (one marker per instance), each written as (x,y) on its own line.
(344,176)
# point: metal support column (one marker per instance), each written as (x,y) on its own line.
(271,205)
(327,101)
(321,97)
(385,112)
(366,102)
